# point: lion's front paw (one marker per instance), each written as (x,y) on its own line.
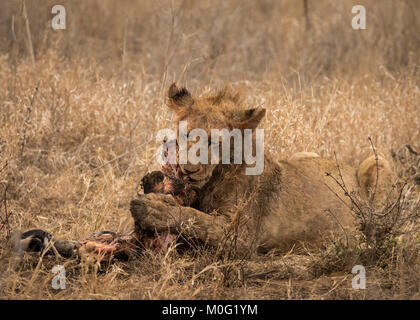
(138,207)
(151,211)
(146,204)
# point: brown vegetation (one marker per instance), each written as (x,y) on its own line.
(78,126)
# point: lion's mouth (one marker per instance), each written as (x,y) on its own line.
(198,174)
(183,181)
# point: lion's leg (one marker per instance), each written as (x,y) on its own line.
(160,213)
(371,188)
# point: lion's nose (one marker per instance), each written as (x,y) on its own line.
(190,168)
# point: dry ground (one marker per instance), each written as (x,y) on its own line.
(78,126)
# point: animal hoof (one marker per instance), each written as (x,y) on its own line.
(35,240)
(153,182)
(66,248)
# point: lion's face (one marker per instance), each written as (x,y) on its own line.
(223,110)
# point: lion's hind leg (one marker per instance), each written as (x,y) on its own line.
(375,178)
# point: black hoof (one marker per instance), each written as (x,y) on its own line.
(153,181)
(35,240)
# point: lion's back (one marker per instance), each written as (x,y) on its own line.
(309,203)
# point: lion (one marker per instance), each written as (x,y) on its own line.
(292,202)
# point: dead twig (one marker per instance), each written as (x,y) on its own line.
(306,13)
(5,222)
(372,197)
(27,121)
(410,148)
(28,33)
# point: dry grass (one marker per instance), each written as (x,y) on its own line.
(77,130)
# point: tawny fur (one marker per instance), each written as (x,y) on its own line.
(290,203)
(366,175)
(303,154)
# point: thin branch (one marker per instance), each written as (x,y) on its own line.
(5,165)
(27,121)
(5,221)
(377,170)
(306,13)
(28,33)
(341,226)
(410,148)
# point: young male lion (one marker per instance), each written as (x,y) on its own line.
(291,202)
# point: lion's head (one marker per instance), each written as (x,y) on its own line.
(223,110)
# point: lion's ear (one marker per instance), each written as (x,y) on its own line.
(179,99)
(251,118)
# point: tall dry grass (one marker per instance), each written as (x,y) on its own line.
(78,128)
